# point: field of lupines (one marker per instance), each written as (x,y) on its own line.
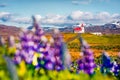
(35,57)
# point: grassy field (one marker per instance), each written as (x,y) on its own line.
(109,43)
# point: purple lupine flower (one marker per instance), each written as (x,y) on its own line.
(106,60)
(29,56)
(35,22)
(58,50)
(17,57)
(38,30)
(38,35)
(80,65)
(88,58)
(115,68)
(51,54)
(49,65)
(41,45)
(26,49)
(31,43)
(51,59)
(106,63)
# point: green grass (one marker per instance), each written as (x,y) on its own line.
(104,39)
(105,42)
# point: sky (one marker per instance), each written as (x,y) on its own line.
(58,13)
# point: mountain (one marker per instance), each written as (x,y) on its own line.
(109,28)
(117,23)
(6,31)
(113,25)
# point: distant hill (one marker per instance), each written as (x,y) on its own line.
(103,29)
(6,31)
(109,28)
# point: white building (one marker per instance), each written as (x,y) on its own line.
(79,28)
(97,33)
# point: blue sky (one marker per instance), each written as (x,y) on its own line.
(58,12)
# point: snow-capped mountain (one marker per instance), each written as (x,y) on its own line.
(117,23)
(112,25)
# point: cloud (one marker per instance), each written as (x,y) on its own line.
(63,20)
(88,17)
(38,17)
(103,15)
(85,2)
(104,0)
(5,16)
(3,5)
(79,15)
(78,2)
(116,16)
(22,20)
(4,13)
(13,18)
(53,19)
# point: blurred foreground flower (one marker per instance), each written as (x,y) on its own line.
(37,54)
(115,68)
(2,43)
(88,58)
(11,46)
(37,50)
(11,68)
(106,63)
(2,46)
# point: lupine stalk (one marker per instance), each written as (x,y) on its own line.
(80,65)
(36,50)
(88,58)
(57,47)
(11,46)
(66,58)
(2,46)
(11,41)
(116,65)
(11,68)
(106,63)
(115,68)
(1,41)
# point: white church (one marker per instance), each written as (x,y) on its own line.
(79,28)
